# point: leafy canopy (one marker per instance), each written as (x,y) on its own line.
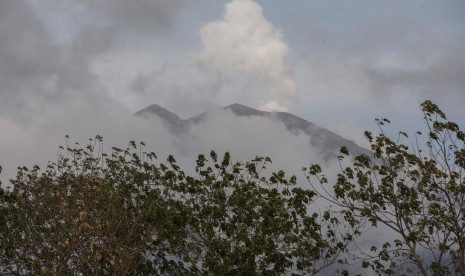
(417,193)
(122,214)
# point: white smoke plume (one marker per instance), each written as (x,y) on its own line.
(244,41)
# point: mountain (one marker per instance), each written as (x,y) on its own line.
(171,120)
(154,109)
(326,141)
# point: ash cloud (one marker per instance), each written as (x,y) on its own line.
(243,40)
(243,58)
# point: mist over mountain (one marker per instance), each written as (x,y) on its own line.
(326,142)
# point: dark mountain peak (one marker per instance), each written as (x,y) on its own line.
(161,112)
(236,105)
(242,110)
(237,109)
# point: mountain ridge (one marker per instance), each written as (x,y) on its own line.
(326,141)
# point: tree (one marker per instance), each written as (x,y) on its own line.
(241,222)
(417,193)
(122,214)
(80,216)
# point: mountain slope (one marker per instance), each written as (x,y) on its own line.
(171,120)
(325,141)
(159,111)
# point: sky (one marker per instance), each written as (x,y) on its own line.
(83,67)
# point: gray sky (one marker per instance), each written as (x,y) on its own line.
(83,67)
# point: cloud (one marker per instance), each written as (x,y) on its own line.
(381,67)
(153,17)
(441,76)
(190,82)
(140,16)
(250,136)
(27,58)
(35,68)
(114,57)
(48,87)
(143,15)
(49,49)
(244,41)
(35,141)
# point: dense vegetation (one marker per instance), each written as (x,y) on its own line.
(91,213)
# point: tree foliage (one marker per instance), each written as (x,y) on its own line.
(417,193)
(122,214)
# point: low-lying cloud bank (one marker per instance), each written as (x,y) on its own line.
(35,140)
